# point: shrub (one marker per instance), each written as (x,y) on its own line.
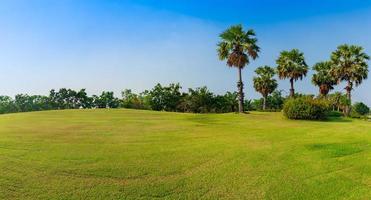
(306,107)
(360,109)
(335,114)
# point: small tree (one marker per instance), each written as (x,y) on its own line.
(323,78)
(291,65)
(361,108)
(264,82)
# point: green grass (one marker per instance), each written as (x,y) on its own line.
(129,154)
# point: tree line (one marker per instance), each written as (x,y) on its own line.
(160,98)
(348,63)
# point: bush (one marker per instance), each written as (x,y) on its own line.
(335,114)
(360,109)
(306,107)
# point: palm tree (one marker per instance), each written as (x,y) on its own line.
(291,65)
(335,100)
(238,47)
(264,82)
(350,65)
(323,78)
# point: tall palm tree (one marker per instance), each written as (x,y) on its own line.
(291,65)
(264,82)
(323,78)
(350,65)
(238,47)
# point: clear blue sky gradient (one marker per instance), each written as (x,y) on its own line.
(112,45)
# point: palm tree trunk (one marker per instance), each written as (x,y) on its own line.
(264,102)
(349,96)
(292,90)
(240,91)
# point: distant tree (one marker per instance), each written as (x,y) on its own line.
(264,82)
(231,101)
(128,99)
(335,100)
(7,105)
(106,100)
(199,100)
(224,103)
(63,99)
(350,65)
(343,103)
(165,98)
(23,102)
(238,47)
(276,100)
(361,108)
(145,98)
(82,100)
(291,65)
(323,78)
(132,100)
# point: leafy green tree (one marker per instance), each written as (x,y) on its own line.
(82,100)
(291,65)
(165,98)
(132,100)
(224,103)
(264,82)
(238,47)
(350,65)
(7,105)
(323,78)
(335,100)
(129,99)
(231,101)
(361,108)
(276,100)
(339,101)
(199,100)
(24,102)
(106,100)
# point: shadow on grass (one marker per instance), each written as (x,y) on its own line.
(337,119)
(334,150)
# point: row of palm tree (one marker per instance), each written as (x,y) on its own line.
(348,63)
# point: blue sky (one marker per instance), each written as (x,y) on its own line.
(112,45)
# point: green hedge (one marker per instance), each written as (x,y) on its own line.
(306,108)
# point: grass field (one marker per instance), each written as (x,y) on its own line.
(129,154)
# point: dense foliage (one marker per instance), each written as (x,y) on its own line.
(161,98)
(306,107)
(360,109)
(274,102)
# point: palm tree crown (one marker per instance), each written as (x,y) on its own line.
(350,64)
(238,46)
(291,65)
(323,78)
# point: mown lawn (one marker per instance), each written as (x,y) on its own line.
(129,154)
